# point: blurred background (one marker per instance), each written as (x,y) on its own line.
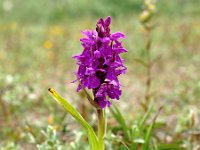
(38,39)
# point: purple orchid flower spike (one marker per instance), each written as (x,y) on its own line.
(100,63)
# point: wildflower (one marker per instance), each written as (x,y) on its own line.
(13,26)
(100,63)
(48,44)
(2,55)
(50,120)
(145,16)
(148,12)
(56,31)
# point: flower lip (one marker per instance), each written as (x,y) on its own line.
(117,35)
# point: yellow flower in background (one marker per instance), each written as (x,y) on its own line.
(148,12)
(56,30)
(145,16)
(9,26)
(1,55)
(48,44)
(50,120)
(13,26)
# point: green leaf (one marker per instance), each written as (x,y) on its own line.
(148,137)
(173,146)
(149,131)
(120,119)
(144,119)
(94,144)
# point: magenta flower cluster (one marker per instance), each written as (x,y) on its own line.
(100,63)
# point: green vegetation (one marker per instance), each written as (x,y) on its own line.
(37,40)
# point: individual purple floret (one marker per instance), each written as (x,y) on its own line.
(100,63)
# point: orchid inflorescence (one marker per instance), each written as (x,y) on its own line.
(100,63)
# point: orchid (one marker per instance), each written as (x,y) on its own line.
(100,63)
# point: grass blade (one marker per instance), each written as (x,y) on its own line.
(149,131)
(142,122)
(120,119)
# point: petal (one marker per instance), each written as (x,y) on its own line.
(100,21)
(97,54)
(81,71)
(117,35)
(78,88)
(114,94)
(106,51)
(87,33)
(103,102)
(93,82)
(120,70)
(120,50)
(105,40)
(101,91)
(114,91)
(108,21)
(111,75)
(89,71)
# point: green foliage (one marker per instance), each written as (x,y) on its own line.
(132,136)
(59,10)
(94,143)
(140,134)
(51,140)
(10,146)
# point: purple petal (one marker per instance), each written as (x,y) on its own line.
(78,88)
(111,75)
(105,40)
(93,82)
(117,35)
(81,70)
(108,21)
(100,21)
(120,50)
(89,71)
(97,54)
(103,102)
(87,33)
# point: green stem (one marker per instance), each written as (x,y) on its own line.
(101,128)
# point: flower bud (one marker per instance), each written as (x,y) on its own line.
(151,8)
(145,16)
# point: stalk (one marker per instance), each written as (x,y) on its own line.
(101,128)
(149,68)
(145,19)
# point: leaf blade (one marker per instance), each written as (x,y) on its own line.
(70,109)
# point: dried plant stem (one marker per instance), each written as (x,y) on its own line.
(5,110)
(83,107)
(83,110)
(148,70)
